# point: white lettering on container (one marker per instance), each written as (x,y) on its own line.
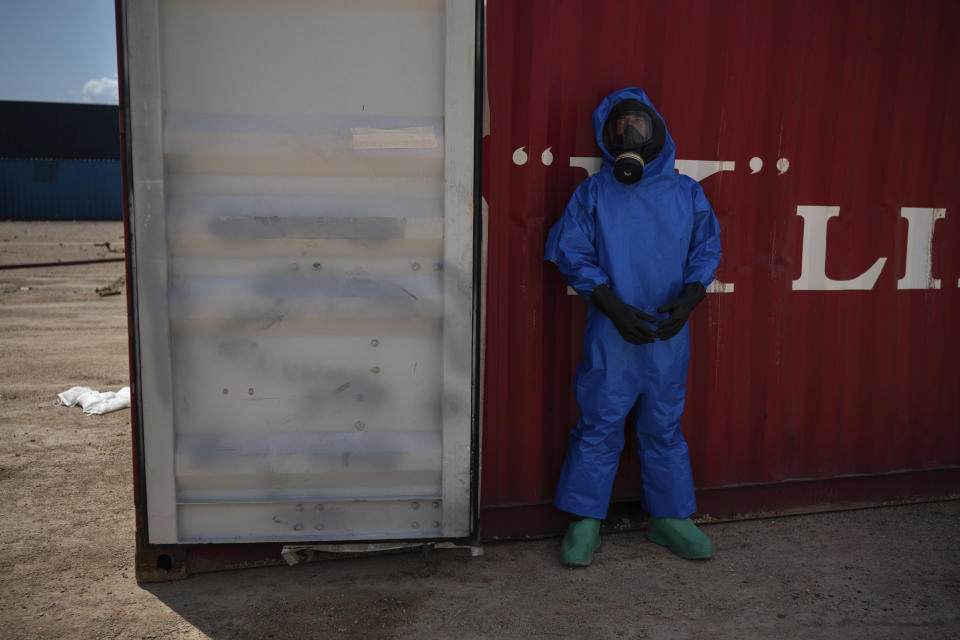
(920,224)
(813,270)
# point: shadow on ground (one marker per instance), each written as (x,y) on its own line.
(876,573)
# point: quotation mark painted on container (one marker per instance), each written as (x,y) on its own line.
(756,164)
(697,169)
(520,156)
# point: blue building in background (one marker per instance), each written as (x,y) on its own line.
(59,161)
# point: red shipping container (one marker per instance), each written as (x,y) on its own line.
(825,135)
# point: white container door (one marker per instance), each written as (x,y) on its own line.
(302,224)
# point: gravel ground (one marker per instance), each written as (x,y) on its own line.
(67,529)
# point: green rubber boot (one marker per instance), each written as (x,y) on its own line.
(680,536)
(579,543)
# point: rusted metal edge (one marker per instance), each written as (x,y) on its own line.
(169,562)
(126,179)
(742,502)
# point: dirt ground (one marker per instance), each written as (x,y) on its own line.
(67,529)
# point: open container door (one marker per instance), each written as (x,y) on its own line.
(301,195)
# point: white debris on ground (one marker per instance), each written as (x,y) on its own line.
(95,402)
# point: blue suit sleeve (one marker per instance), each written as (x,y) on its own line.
(571,243)
(704,253)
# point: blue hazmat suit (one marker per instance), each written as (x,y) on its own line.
(645,241)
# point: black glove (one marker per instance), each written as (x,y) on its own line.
(679,310)
(628,320)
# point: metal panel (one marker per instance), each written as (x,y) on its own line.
(310,347)
(150,266)
(458,250)
(801,369)
(56,189)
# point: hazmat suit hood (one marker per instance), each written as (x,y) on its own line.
(645,240)
(663,163)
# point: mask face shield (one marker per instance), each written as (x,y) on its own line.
(632,131)
(634,135)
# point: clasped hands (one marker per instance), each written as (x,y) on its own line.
(632,323)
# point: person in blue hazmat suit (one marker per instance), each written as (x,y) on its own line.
(641,243)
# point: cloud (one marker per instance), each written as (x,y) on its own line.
(101,90)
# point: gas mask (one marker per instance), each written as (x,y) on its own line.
(634,135)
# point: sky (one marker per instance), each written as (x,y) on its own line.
(58,51)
